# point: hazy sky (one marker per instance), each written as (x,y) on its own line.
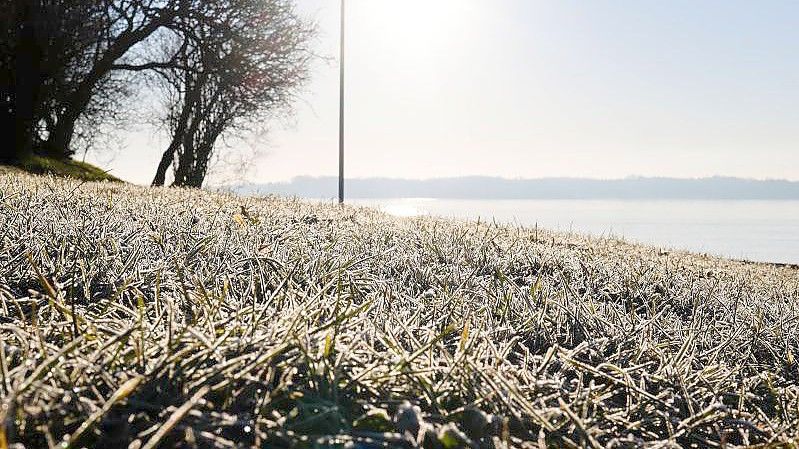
(523,88)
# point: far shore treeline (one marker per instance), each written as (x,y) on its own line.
(72,73)
(485,187)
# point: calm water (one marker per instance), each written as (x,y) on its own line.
(765,231)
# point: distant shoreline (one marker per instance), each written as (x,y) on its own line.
(494,188)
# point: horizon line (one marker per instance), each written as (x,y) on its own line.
(545,178)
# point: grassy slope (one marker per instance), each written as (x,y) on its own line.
(63,168)
(191,319)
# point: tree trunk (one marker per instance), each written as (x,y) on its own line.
(8,152)
(177,137)
(203,151)
(60,138)
(197,176)
(185,167)
(27,81)
(187,157)
(163,166)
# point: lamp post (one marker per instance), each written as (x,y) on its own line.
(341,114)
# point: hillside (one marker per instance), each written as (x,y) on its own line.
(65,168)
(143,318)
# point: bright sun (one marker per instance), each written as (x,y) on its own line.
(416,28)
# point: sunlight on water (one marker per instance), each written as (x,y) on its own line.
(766,231)
(405,207)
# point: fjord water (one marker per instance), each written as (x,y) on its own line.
(765,231)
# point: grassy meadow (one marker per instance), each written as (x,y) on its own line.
(157,318)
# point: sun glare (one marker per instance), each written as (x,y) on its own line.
(416,29)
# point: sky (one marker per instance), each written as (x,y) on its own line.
(530,89)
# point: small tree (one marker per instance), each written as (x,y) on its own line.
(239,68)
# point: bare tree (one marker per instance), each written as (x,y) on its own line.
(63,64)
(238,68)
(121,25)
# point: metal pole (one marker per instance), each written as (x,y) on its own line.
(341,115)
